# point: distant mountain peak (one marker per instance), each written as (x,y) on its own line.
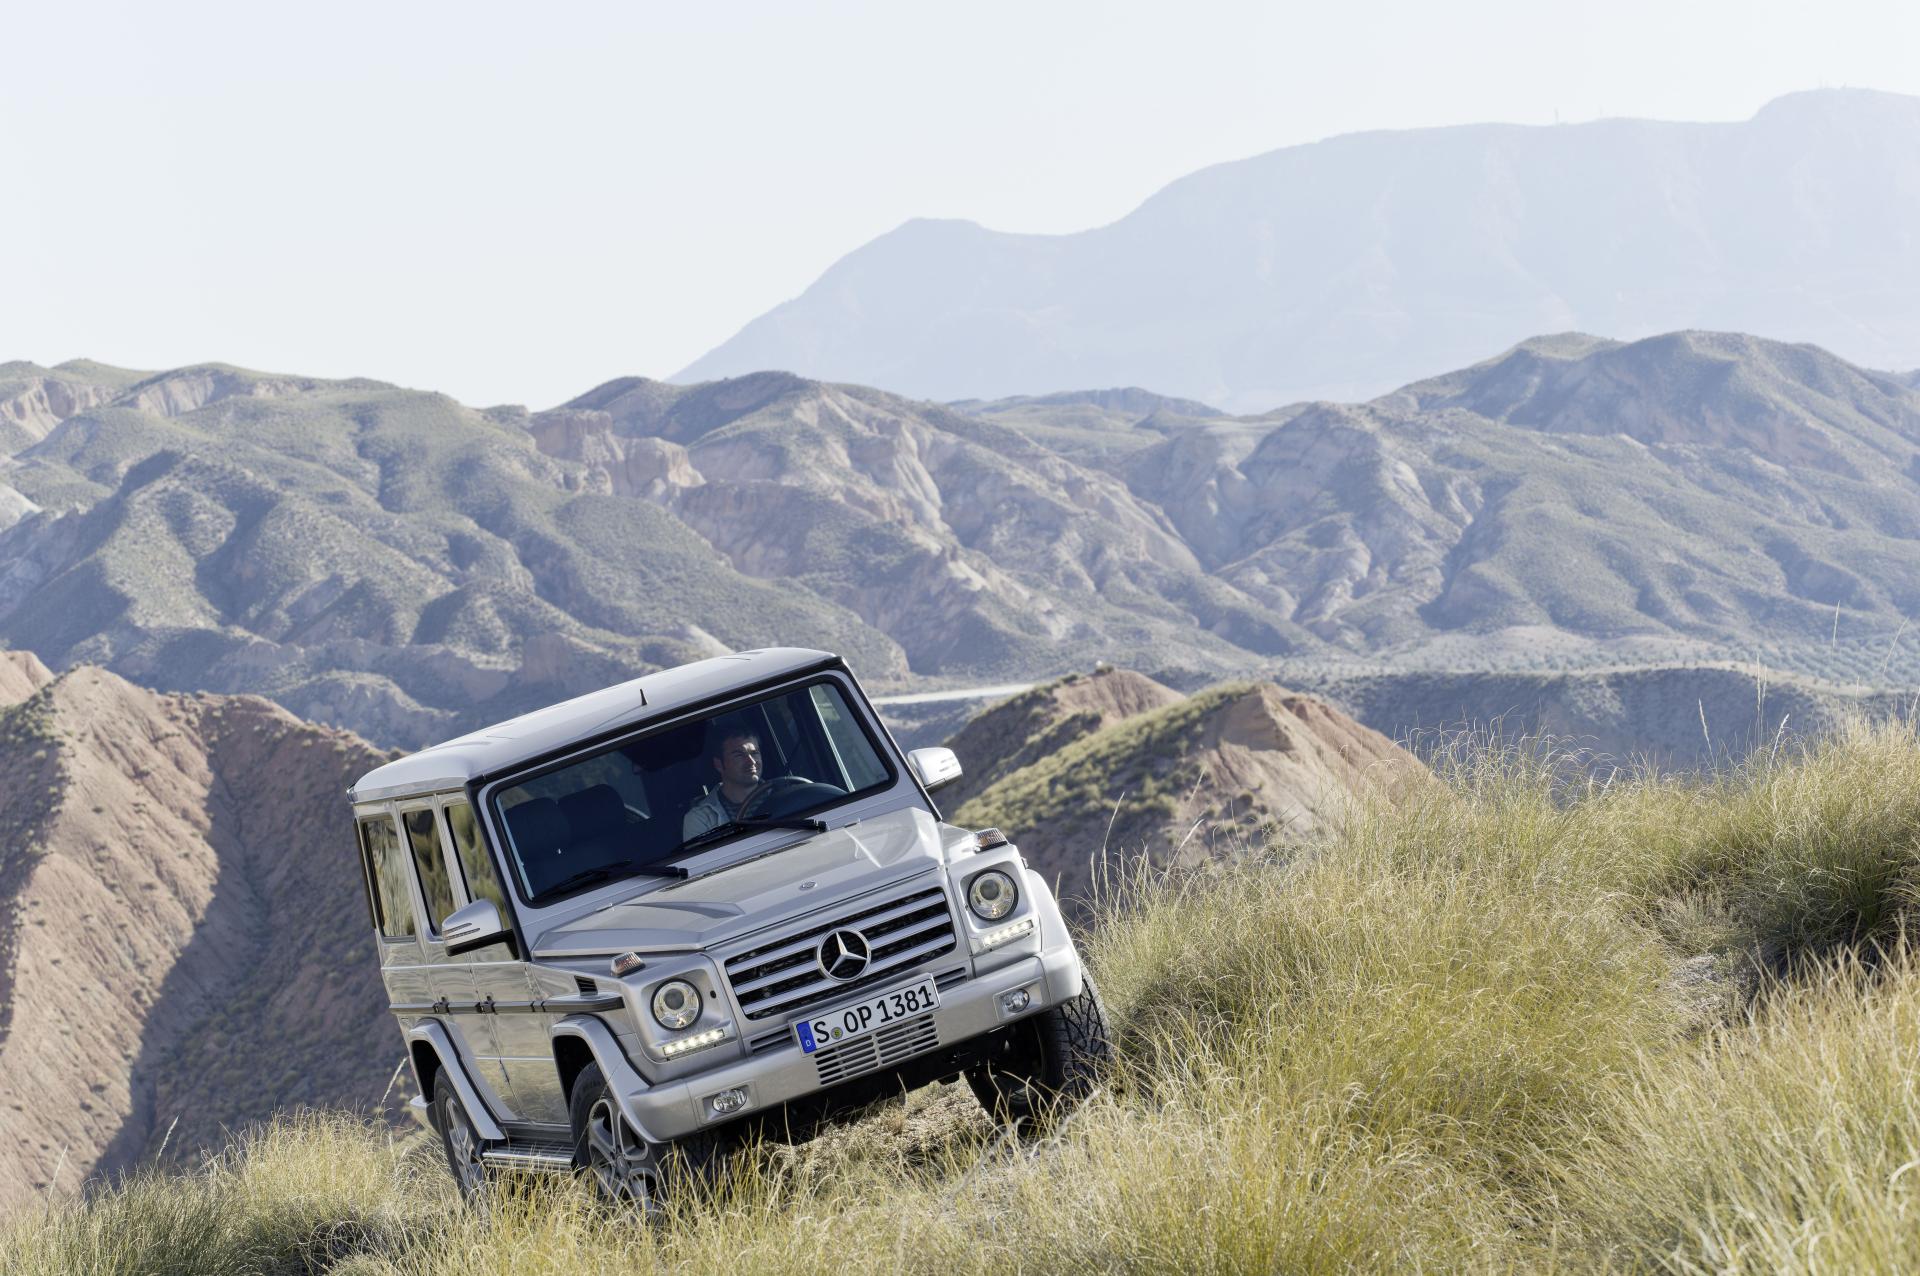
(1336,270)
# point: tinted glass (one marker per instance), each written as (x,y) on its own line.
(798,753)
(482,881)
(387,870)
(423,837)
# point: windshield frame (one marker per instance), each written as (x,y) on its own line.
(879,739)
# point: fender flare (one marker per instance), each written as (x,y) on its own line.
(434,1034)
(1054,935)
(621,1079)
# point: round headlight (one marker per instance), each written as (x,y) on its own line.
(676,1004)
(992,895)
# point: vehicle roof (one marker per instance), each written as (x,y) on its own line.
(455,763)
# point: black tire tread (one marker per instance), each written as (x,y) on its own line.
(1070,1050)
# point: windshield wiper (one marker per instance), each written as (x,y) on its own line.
(603,872)
(731,827)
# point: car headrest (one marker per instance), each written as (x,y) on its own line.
(594,812)
(538,827)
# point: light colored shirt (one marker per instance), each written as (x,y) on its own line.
(710,812)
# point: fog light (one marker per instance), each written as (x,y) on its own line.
(728,1102)
(1005,934)
(698,1041)
(1014,1002)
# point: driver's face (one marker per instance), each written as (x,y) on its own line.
(739,762)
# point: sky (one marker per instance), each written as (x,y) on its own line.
(512,204)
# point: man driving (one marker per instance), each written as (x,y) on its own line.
(735,752)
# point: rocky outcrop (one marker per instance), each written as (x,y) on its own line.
(21,675)
(33,399)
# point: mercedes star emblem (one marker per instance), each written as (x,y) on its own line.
(844,954)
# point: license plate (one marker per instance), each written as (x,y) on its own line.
(862,1017)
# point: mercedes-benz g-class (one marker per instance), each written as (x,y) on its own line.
(714,899)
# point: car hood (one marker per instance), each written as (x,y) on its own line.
(817,872)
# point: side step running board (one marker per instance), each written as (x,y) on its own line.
(548,1158)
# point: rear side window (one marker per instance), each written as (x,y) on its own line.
(387,876)
(482,881)
(423,837)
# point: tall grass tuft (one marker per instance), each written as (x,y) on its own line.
(1790,1142)
(294,1196)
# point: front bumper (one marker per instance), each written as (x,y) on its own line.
(967,1010)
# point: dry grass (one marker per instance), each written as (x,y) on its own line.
(1516,1022)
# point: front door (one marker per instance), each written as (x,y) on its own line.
(450,979)
(520,1057)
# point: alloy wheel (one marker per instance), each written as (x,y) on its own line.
(624,1165)
(463,1149)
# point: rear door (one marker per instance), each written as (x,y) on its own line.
(390,899)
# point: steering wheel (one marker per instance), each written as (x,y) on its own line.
(793,793)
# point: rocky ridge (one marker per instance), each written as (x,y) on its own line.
(183,937)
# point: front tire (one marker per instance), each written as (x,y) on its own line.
(1048,1065)
(627,1169)
(459,1140)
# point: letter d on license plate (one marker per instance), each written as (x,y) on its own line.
(817,1032)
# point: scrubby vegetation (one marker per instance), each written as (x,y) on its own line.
(1524,1020)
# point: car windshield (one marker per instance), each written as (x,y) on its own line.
(629,810)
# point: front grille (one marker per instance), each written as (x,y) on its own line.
(876,1050)
(783,977)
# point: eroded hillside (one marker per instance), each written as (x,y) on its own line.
(1229,770)
(184,943)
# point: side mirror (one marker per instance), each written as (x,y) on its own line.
(475,926)
(934,767)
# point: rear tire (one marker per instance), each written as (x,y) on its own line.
(459,1140)
(1048,1065)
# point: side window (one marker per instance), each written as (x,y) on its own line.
(856,757)
(387,874)
(482,881)
(423,836)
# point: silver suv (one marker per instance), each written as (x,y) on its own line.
(714,900)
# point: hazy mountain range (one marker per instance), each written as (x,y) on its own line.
(1340,269)
(391,561)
